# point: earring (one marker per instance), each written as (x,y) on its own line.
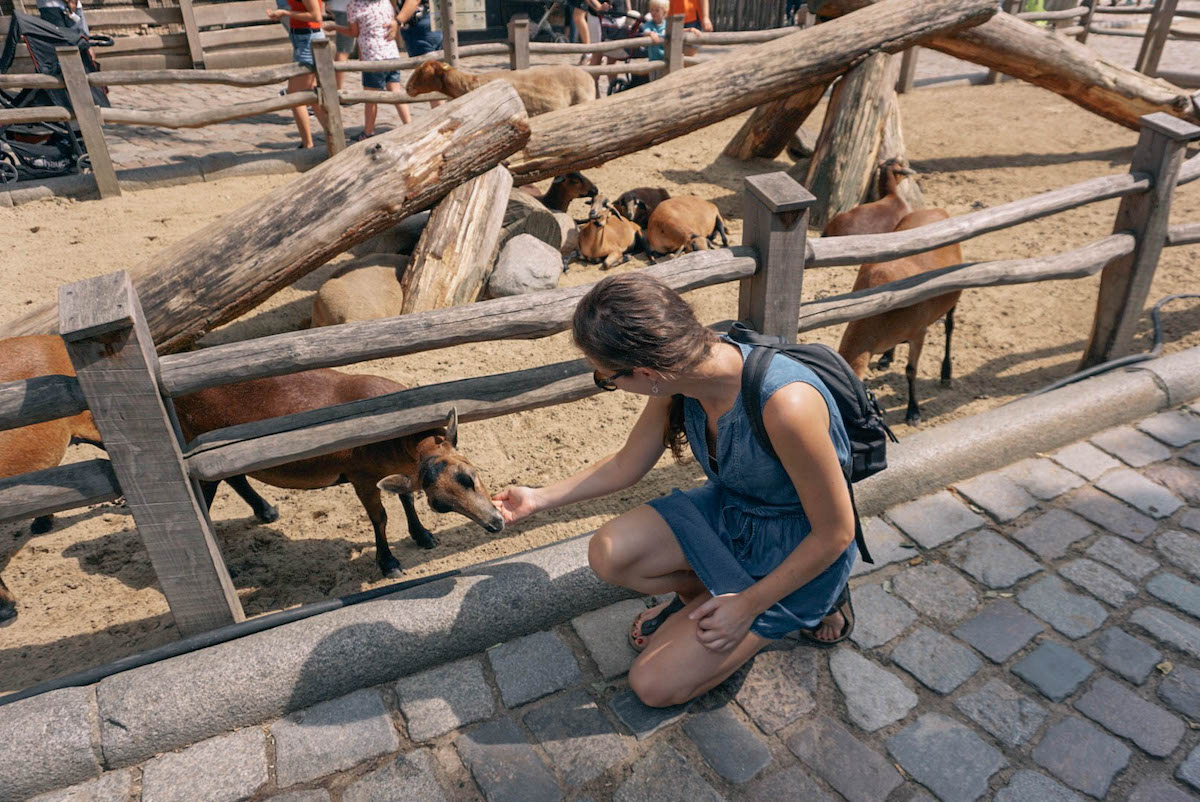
(654,387)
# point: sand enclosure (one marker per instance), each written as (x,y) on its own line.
(87,593)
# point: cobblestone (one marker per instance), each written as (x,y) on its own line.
(1190,519)
(1081,756)
(1050,534)
(1181,691)
(1177,592)
(1070,613)
(998,495)
(1174,427)
(852,768)
(1042,478)
(946,757)
(531,667)
(1159,790)
(1053,669)
(1189,769)
(641,720)
(1183,482)
(605,633)
(1030,786)
(1120,555)
(887,546)
(1169,628)
(112,786)
(728,745)
(445,698)
(1134,447)
(1001,630)
(1099,581)
(411,775)
(880,616)
(1105,511)
(577,736)
(505,765)
(315,795)
(778,686)
(1126,655)
(1191,454)
(332,736)
(793,782)
(939,662)
(225,768)
(936,591)
(992,559)
(1085,459)
(1011,717)
(1181,549)
(664,774)
(935,519)
(1139,492)
(875,697)
(1122,712)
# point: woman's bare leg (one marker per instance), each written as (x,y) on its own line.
(299,84)
(401,108)
(639,551)
(369,112)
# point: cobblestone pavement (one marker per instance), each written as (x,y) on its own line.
(1030,634)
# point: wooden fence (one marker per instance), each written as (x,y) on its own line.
(128,388)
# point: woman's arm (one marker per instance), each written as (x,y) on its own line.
(797,421)
(313,12)
(407,10)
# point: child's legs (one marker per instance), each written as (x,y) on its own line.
(401,108)
(581,25)
(300,83)
(369,110)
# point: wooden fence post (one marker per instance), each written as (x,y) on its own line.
(327,96)
(1086,20)
(449,32)
(1156,37)
(674,49)
(110,346)
(1011,7)
(1125,282)
(775,214)
(192,31)
(87,114)
(518,42)
(908,70)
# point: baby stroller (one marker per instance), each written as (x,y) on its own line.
(41,150)
(543,31)
(620,24)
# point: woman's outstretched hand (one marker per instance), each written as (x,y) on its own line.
(722,621)
(516,503)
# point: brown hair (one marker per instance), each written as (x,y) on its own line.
(633,320)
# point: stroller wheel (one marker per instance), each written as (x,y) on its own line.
(617,85)
(559,39)
(83,163)
(8,172)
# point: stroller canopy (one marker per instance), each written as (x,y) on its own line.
(42,38)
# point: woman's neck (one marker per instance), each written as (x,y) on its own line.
(717,380)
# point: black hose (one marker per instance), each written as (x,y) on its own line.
(1153,353)
(214,637)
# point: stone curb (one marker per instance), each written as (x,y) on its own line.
(174,703)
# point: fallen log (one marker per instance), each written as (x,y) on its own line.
(1022,50)
(686,100)
(453,258)
(771,127)
(237,262)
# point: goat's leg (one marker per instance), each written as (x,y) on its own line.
(720,231)
(416,530)
(369,495)
(41,524)
(8,604)
(885,361)
(946,358)
(263,510)
(913,416)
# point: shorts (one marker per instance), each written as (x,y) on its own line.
(302,52)
(345,44)
(420,39)
(380,80)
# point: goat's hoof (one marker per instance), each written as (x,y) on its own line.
(946,382)
(268,514)
(7,615)
(912,420)
(884,363)
(425,540)
(40,526)
(390,568)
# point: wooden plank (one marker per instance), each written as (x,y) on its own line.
(260,77)
(66,487)
(377,96)
(775,208)
(1183,234)
(280,54)
(35,114)
(1086,22)
(204,117)
(449,27)
(327,96)
(145,61)
(100,18)
(994,76)
(144,45)
(1125,283)
(908,70)
(859,248)
(39,399)
(272,33)
(1049,16)
(31,81)
(210,14)
(192,33)
(110,346)
(767,131)
(518,42)
(525,317)
(1156,37)
(592,47)
(674,49)
(87,115)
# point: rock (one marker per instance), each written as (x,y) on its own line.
(526,264)
(367,288)
(401,238)
(556,229)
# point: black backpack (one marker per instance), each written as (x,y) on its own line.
(859,410)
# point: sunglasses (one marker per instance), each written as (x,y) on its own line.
(609,383)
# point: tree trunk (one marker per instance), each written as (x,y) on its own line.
(237,262)
(593,133)
(843,165)
(1017,48)
(891,146)
(451,263)
(767,132)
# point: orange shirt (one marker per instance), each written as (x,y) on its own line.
(690,9)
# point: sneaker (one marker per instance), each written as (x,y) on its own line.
(360,136)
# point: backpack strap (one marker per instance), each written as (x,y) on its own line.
(754,371)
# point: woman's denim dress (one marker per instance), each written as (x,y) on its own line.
(744,521)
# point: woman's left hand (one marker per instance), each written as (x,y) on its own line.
(722,621)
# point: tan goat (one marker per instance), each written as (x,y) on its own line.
(880,333)
(541,89)
(879,216)
(607,237)
(684,223)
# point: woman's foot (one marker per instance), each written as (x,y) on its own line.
(836,626)
(648,622)
(830,627)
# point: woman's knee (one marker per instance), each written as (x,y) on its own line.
(604,554)
(653,688)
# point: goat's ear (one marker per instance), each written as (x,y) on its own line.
(452,426)
(396,483)
(441,66)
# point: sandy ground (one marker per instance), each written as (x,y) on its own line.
(88,594)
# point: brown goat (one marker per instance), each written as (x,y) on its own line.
(427,461)
(877,217)
(882,332)
(563,190)
(684,223)
(607,237)
(40,445)
(638,204)
(541,89)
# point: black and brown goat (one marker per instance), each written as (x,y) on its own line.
(563,189)
(638,204)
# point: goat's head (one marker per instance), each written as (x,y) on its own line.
(600,211)
(898,165)
(631,206)
(577,185)
(427,77)
(450,482)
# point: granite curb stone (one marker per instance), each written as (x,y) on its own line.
(1126,655)
(946,757)
(505,765)
(939,662)
(1000,630)
(226,768)
(1053,669)
(112,786)
(332,736)
(875,697)
(1122,712)
(445,698)
(1081,756)
(48,743)
(531,667)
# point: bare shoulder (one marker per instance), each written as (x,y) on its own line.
(795,406)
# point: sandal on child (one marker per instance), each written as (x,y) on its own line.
(651,625)
(846,608)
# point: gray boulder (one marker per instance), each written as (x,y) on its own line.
(525,264)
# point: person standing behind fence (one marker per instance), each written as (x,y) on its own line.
(416,29)
(655,26)
(344,43)
(304,27)
(371,22)
(695,17)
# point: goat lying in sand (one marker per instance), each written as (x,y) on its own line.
(427,461)
(684,223)
(607,237)
(879,333)
(541,89)
(638,204)
(563,189)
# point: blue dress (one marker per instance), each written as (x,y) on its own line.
(745,520)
